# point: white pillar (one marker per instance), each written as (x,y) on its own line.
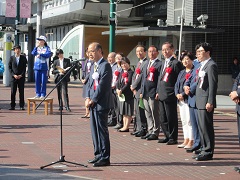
(39,18)
(6,58)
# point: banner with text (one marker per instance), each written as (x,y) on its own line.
(25,8)
(10,8)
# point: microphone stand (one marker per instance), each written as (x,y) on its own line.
(62,157)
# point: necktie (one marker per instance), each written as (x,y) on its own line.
(165,65)
(149,65)
(95,67)
(17,60)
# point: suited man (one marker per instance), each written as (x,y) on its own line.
(190,89)
(141,121)
(206,100)
(150,76)
(100,102)
(17,67)
(60,67)
(165,93)
(234,95)
(112,119)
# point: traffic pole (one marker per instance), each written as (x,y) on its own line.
(17,22)
(112,26)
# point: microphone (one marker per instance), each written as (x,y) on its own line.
(78,60)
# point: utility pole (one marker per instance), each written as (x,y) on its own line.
(17,22)
(181,27)
(112,18)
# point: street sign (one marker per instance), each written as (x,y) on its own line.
(6,29)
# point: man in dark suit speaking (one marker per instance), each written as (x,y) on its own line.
(17,68)
(100,102)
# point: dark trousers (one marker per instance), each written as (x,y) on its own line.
(206,131)
(194,121)
(112,113)
(63,89)
(17,83)
(169,119)
(100,134)
(141,121)
(238,124)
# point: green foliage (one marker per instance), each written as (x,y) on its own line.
(1,34)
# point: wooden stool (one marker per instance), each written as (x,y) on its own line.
(46,101)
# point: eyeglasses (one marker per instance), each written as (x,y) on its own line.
(199,51)
(166,50)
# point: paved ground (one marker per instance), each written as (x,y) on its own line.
(28,142)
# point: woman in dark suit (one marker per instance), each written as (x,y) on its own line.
(123,87)
(85,79)
(187,61)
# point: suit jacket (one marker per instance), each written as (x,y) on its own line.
(236,87)
(102,95)
(207,93)
(192,83)
(56,63)
(85,74)
(165,90)
(148,88)
(125,87)
(136,83)
(180,84)
(19,69)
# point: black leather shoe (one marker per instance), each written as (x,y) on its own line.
(60,109)
(68,109)
(202,157)
(111,124)
(12,108)
(237,169)
(163,140)
(101,163)
(118,126)
(134,133)
(152,137)
(95,159)
(126,130)
(192,149)
(197,151)
(172,142)
(22,108)
(140,133)
(146,136)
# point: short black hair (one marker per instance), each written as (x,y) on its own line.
(16,47)
(206,46)
(59,51)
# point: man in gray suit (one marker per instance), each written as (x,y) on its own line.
(206,99)
(141,121)
(235,94)
(100,102)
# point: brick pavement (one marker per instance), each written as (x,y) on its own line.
(31,141)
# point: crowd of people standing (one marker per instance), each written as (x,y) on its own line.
(152,92)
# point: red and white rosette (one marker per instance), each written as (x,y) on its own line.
(95,76)
(201,75)
(196,78)
(167,73)
(115,78)
(138,72)
(187,76)
(89,67)
(151,73)
(125,77)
